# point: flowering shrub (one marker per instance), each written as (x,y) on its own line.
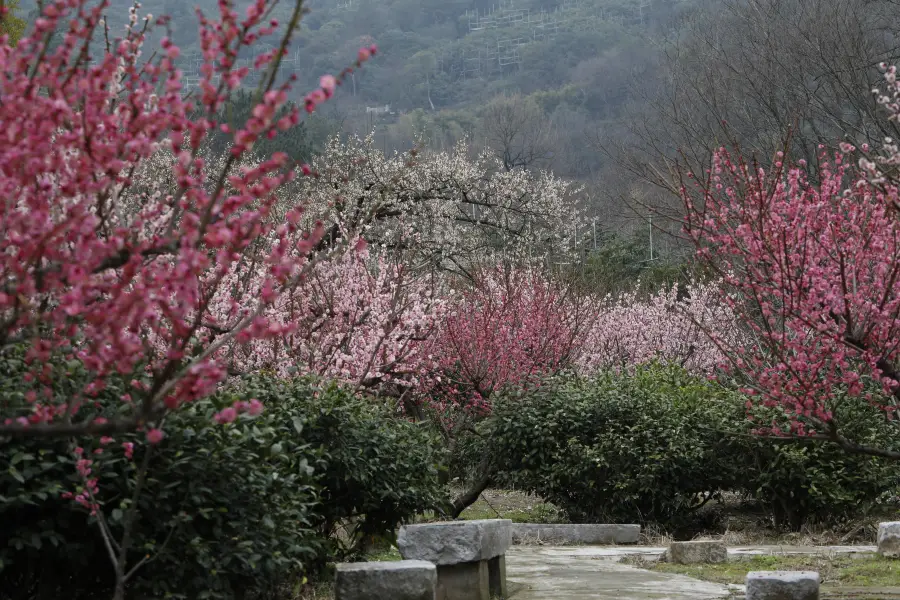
(124,246)
(509,329)
(626,332)
(814,269)
(122,278)
(359,319)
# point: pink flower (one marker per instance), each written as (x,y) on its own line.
(155,436)
(255,408)
(328,83)
(226,415)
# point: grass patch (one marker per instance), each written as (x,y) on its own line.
(320,590)
(836,571)
(384,554)
(516,506)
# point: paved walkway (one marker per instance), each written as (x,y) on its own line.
(571,573)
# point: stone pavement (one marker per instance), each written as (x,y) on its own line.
(574,573)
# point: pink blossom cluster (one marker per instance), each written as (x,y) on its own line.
(115,276)
(85,497)
(815,273)
(681,324)
(328,83)
(510,328)
(362,319)
(228,415)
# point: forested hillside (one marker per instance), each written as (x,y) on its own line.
(607,92)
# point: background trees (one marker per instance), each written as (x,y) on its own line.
(11,23)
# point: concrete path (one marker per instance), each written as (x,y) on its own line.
(542,573)
(576,572)
(735,553)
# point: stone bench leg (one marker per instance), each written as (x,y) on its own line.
(497,576)
(464,581)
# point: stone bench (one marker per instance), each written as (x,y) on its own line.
(470,555)
(389,580)
(782,585)
(889,539)
(697,552)
(588,534)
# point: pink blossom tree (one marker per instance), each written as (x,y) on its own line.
(680,324)
(122,277)
(507,330)
(362,319)
(128,276)
(510,328)
(815,273)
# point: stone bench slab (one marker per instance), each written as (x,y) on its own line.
(782,585)
(455,542)
(697,552)
(577,534)
(889,539)
(387,580)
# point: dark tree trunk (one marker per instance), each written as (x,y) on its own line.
(468,498)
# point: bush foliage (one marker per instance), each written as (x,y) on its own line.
(654,445)
(241,510)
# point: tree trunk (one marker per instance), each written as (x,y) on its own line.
(468,498)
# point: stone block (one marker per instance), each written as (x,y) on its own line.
(497,576)
(389,580)
(689,553)
(455,542)
(782,585)
(889,539)
(464,581)
(577,534)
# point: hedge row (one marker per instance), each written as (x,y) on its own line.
(653,445)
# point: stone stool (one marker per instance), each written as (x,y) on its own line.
(782,585)
(389,580)
(889,539)
(470,555)
(689,553)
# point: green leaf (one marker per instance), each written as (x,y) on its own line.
(16,475)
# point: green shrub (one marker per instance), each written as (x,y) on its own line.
(228,511)
(616,448)
(802,481)
(653,445)
(380,469)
